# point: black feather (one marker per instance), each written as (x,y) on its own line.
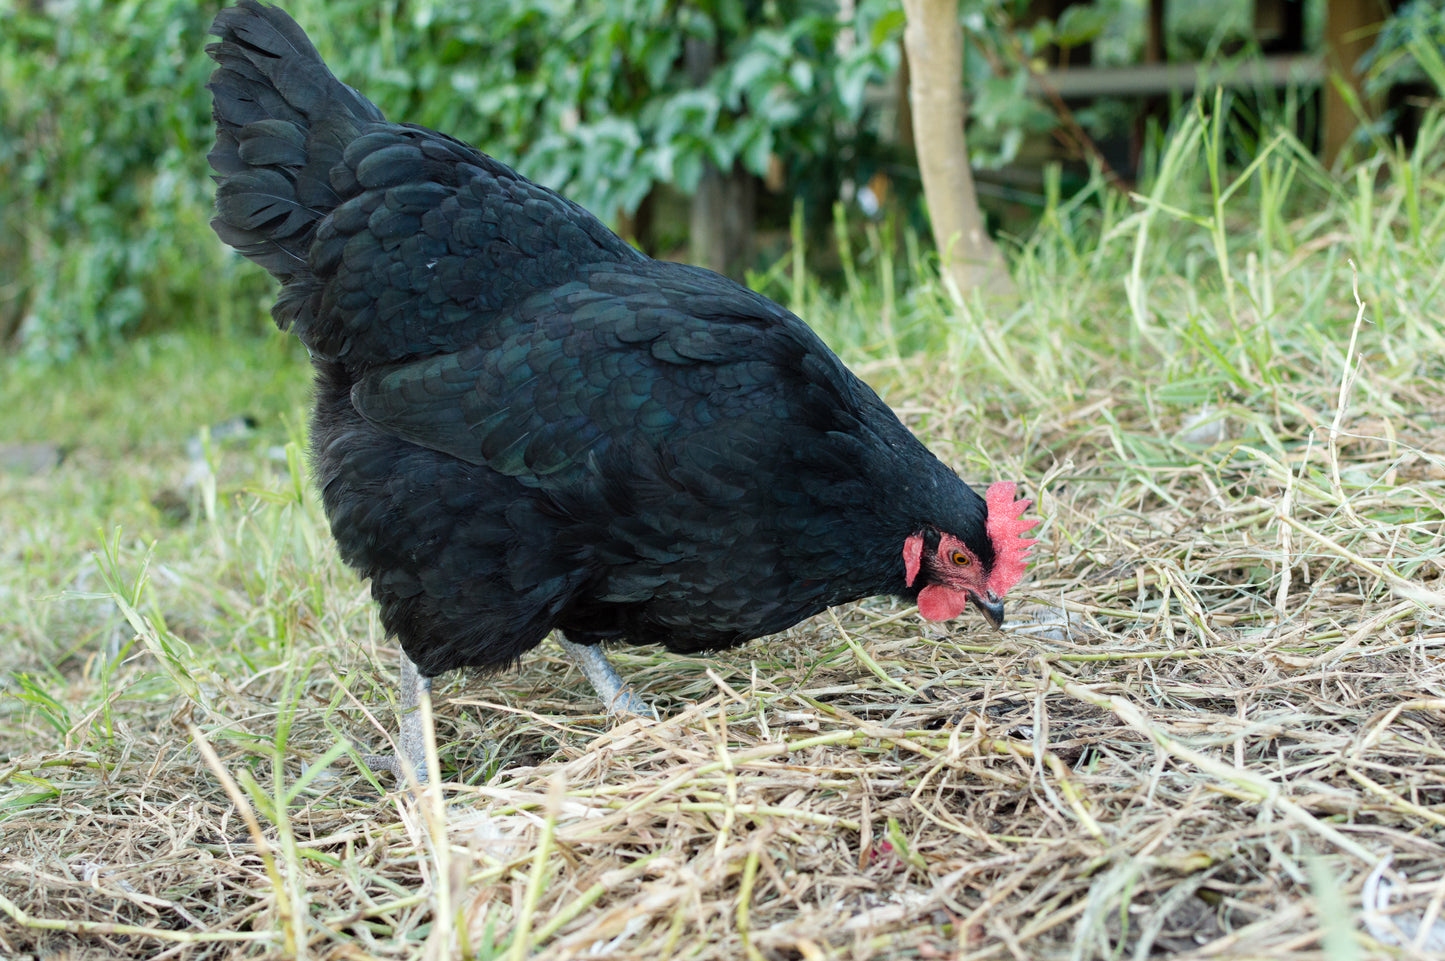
(524,424)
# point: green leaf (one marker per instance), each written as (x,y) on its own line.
(658,55)
(855,72)
(1079,24)
(888,27)
(758,150)
(687,170)
(747,73)
(801,75)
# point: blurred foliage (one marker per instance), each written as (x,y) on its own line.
(595,98)
(105,122)
(103,135)
(999,58)
(1408,49)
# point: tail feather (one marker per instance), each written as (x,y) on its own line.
(283,122)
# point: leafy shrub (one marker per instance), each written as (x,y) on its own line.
(594,97)
(1408,48)
(105,123)
(104,127)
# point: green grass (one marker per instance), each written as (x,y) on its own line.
(1241,475)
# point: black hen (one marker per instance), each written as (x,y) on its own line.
(522,423)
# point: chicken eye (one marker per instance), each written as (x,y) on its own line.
(961,559)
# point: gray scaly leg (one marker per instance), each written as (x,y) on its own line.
(617,695)
(412,742)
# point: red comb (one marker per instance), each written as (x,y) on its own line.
(1005,528)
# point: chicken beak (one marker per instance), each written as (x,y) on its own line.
(991,608)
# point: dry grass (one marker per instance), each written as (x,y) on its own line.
(1214,729)
(1208,760)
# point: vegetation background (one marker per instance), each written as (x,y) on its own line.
(1213,729)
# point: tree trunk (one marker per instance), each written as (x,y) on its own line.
(723,212)
(722,221)
(933,40)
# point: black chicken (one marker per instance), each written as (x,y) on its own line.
(522,423)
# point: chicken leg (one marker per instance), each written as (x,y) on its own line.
(411,744)
(617,695)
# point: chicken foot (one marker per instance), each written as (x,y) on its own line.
(411,745)
(619,697)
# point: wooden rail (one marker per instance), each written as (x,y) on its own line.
(1152,79)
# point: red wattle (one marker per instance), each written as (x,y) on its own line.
(912,558)
(938,603)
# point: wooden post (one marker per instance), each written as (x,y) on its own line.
(1350,28)
(1154,33)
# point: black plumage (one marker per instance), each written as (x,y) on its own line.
(524,424)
